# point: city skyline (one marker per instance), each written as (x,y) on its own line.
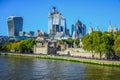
(35,14)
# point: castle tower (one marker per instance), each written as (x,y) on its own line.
(110,27)
(90,30)
(115,30)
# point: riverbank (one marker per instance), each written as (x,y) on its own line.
(66,58)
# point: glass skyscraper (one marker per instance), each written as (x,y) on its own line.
(56,23)
(15,25)
(78,30)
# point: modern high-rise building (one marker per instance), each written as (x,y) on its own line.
(15,25)
(56,22)
(78,29)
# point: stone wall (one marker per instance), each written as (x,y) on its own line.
(79,52)
(52,51)
(52,48)
(45,48)
(40,50)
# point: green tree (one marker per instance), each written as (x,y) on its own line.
(13,47)
(98,42)
(77,41)
(117,45)
(19,46)
(107,44)
(62,41)
(117,34)
(87,42)
(7,46)
(29,43)
(70,42)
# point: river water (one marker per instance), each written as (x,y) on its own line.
(18,68)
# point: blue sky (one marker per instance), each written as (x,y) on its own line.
(35,13)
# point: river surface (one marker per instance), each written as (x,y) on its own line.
(18,68)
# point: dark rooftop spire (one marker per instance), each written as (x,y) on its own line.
(54,8)
(78,23)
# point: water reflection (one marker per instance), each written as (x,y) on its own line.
(39,69)
(57,70)
(102,73)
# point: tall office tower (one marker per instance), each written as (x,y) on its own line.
(56,23)
(79,29)
(15,25)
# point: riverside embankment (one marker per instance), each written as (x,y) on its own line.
(67,58)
